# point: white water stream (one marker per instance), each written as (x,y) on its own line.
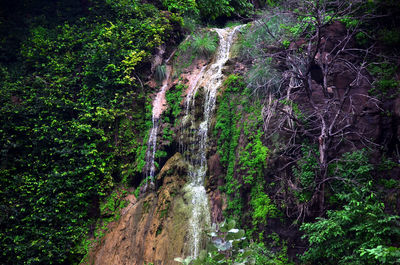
(158,107)
(211,80)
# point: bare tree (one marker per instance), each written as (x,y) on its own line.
(309,105)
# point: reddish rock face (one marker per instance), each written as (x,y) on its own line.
(217,205)
(151,229)
(332,36)
(217,199)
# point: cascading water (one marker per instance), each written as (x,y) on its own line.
(196,150)
(158,107)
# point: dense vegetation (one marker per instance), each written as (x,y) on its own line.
(75,114)
(71,103)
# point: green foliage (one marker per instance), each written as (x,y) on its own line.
(352,166)
(354,234)
(350,22)
(229,131)
(188,7)
(205,45)
(190,24)
(214,9)
(262,255)
(69,130)
(361,224)
(269,3)
(294,29)
(142,183)
(211,10)
(208,10)
(384,255)
(362,38)
(174,98)
(253,159)
(113,202)
(263,207)
(305,171)
(384,86)
(244,165)
(140,160)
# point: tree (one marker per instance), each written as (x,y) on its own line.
(314,47)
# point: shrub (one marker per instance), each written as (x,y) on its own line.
(263,78)
(201,44)
(160,73)
(205,44)
(349,235)
(353,234)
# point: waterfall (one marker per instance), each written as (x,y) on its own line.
(158,107)
(196,150)
(210,78)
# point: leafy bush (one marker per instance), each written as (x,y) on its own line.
(354,234)
(361,224)
(174,99)
(384,86)
(188,7)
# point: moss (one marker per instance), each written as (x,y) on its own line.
(239,115)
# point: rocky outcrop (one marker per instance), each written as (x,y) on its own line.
(153,229)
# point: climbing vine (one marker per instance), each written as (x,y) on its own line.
(244,164)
